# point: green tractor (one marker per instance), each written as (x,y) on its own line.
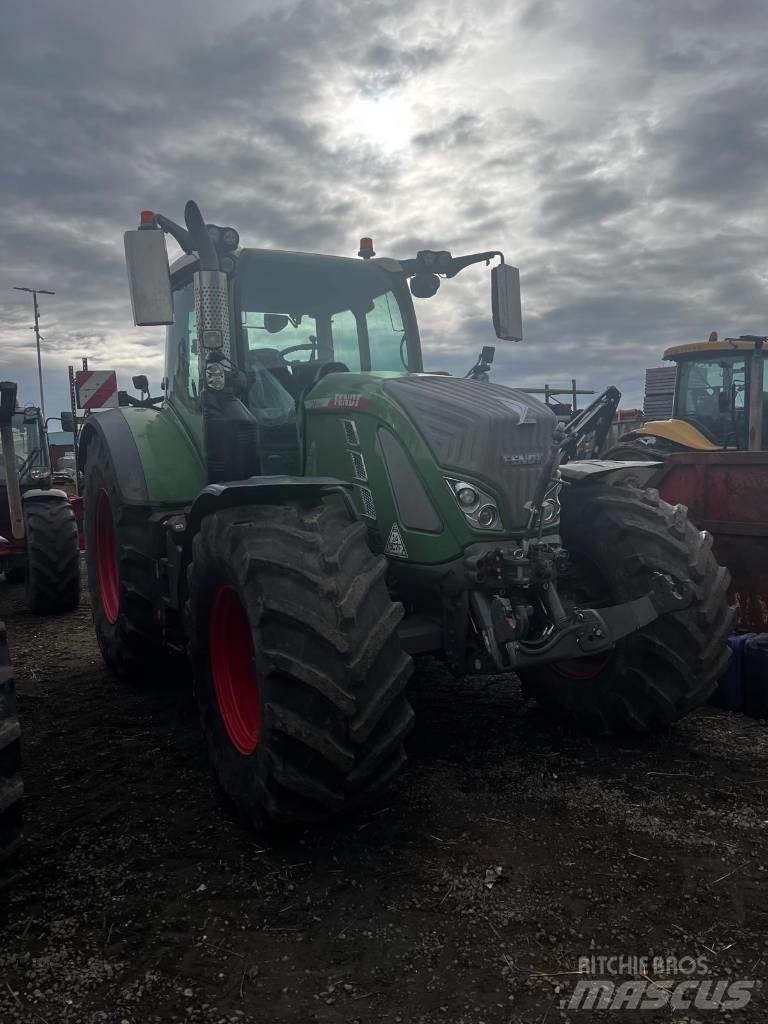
(306,509)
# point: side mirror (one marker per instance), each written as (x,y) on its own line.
(67,422)
(149,277)
(141,383)
(505,303)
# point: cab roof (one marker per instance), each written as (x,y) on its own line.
(707,347)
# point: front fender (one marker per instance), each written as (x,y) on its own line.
(606,472)
(267,490)
(40,494)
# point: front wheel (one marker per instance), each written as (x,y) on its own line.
(299,673)
(617,537)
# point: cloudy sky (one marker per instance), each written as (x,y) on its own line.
(616,150)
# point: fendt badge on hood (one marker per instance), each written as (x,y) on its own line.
(523,459)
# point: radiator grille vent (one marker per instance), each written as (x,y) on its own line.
(350,432)
(366,498)
(358,466)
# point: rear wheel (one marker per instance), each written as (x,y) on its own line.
(11,788)
(298,668)
(120,576)
(618,536)
(53,555)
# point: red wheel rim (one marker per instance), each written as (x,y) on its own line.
(583,668)
(236,686)
(106,559)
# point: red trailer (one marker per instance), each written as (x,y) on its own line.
(727,493)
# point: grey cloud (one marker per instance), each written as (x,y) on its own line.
(616,151)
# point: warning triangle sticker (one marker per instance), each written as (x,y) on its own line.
(395,545)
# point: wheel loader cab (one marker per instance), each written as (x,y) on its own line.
(711,395)
(716,390)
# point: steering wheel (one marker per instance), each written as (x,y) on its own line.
(312,347)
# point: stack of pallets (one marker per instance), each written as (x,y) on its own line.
(659,392)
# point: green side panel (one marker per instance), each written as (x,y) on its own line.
(360,398)
(173,466)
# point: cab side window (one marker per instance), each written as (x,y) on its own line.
(182,367)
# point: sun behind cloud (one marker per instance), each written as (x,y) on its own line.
(386,122)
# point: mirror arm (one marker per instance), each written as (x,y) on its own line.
(176,231)
(193,239)
(458,263)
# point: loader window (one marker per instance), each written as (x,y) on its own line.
(712,397)
(27,447)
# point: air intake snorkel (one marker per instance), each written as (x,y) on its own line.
(230,432)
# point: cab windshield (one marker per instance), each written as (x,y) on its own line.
(299,311)
(711,396)
(27,446)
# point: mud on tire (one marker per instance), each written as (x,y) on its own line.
(616,537)
(11,788)
(327,716)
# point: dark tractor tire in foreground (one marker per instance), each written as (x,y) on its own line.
(53,556)
(617,536)
(299,673)
(11,788)
(120,575)
(15,576)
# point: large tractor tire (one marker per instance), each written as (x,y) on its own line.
(616,537)
(53,555)
(629,452)
(299,673)
(120,574)
(11,788)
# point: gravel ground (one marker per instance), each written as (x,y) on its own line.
(140,897)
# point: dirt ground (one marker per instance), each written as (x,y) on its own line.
(141,898)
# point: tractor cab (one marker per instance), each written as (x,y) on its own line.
(251,331)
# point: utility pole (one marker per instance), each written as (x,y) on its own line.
(35,292)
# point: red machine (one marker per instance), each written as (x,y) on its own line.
(727,494)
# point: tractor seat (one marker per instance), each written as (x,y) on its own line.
(306,375)
(273,360)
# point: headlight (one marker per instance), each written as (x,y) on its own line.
(467,495)
(39,473)
(487,516)
(479,508)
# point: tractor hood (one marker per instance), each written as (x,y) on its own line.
(486,432)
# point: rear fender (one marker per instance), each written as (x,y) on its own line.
(638,474)
(155,461)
